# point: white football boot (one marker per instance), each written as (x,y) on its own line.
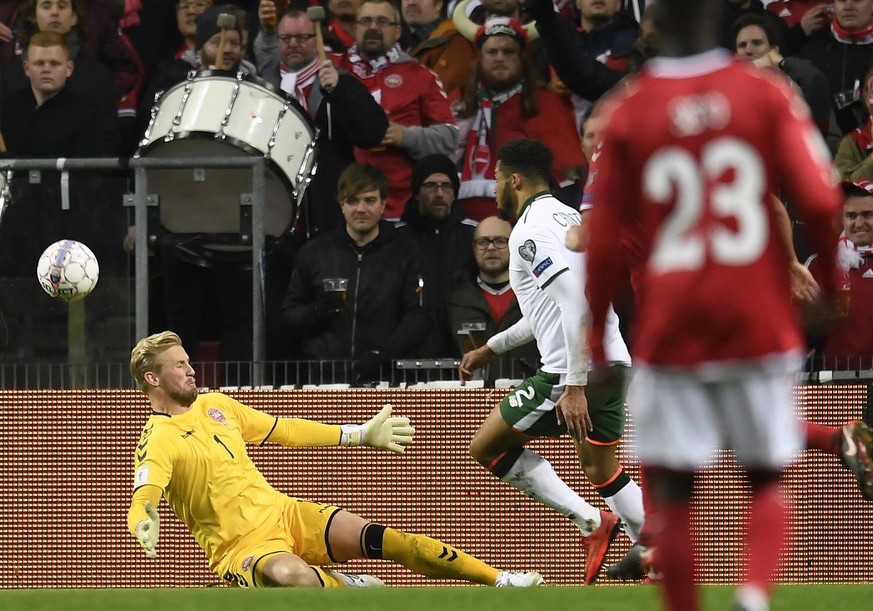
(509,579)
(357,580)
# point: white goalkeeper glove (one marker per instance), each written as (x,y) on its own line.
(382,431)
(148,530)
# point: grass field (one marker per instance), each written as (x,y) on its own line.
(599,598)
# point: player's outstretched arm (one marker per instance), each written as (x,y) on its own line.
(382,431)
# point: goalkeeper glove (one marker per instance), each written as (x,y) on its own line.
(148,530)
(382,431)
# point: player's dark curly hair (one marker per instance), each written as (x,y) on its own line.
(530,158)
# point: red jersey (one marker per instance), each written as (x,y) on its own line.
(791,11)
(411,95)
(690,151)
(850,338)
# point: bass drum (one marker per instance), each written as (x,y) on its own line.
(219,114)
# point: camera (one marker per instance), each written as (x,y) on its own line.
(845,98)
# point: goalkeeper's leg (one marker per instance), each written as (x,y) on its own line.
(289,570)
(424,555)
(351,537)
(432,558)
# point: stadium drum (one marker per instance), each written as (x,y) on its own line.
(221,114)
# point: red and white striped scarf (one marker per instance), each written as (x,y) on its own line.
(297,84)
(364,69)
(479,159)
(863,36)
(849,254)
(863,135)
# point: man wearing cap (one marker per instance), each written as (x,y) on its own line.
(501,103)
(419,115)
(209,38)
(433,221)
(206,41)
(468,15)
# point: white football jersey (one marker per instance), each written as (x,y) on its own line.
(538,257)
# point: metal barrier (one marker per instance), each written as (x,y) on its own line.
(273,374)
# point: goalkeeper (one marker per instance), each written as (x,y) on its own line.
(192,452)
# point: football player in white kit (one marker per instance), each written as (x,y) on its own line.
(548,280)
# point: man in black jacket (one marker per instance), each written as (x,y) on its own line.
(581,73)
(755,40)
(443,234)
(357,292)
(51,119)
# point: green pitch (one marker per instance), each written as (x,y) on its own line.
(598,598)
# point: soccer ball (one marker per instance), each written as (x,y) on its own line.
(68,270)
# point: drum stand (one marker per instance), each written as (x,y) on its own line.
(142,200)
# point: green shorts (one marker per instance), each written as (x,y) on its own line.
(530,407)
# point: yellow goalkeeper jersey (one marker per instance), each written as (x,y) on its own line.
(199,461)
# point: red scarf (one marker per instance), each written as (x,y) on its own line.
(479,158)
(864,36)
(298,84)
(337,28)
(130,18)
(863,136)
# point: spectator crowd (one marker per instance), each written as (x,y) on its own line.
(395,248)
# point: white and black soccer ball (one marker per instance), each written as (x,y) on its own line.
(68,270)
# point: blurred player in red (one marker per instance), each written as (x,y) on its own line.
(691,157)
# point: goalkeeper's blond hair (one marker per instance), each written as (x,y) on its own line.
(144,356)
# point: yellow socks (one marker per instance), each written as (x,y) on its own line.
(433,558)
(329,579)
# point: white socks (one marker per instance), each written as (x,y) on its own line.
(627,504)
(536,478)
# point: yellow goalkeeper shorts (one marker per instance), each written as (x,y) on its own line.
(302,531)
